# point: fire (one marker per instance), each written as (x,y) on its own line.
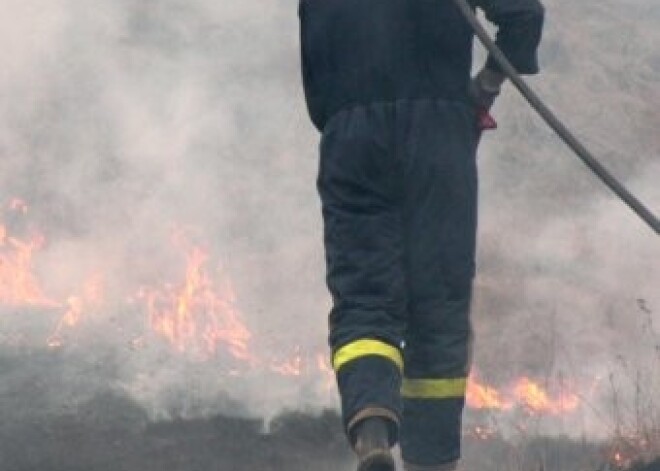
(197,314)
(18,284)
(91,298)
(71,318)
(292,367)
(618,458)
(524,393)
(481,432)
(634,446)
(314,365)
(479,396)
(535,399)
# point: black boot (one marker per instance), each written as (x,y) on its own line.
(372,445)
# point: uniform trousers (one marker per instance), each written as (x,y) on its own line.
(398,186)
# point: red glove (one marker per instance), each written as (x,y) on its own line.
(485,122)
(484,89)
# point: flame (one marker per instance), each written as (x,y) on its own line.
(91,298)
(325,368)
(482,432)
(524,393)
(633,447)
(479,396)
(299,364)
(197,315)
(621,459)
(292,367)
(18,284)
(71,318)
(535,399)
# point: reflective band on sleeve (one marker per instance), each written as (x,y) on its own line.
(363,348)
(434,388)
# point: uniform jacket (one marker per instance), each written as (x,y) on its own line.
(364,51)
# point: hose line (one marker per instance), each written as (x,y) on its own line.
(552,121)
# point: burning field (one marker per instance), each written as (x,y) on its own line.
(162,303)
(70,400)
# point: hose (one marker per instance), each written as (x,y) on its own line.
(564,133)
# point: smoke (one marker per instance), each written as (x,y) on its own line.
(568,280)
(122,121)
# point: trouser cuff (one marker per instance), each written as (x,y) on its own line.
(368,412)
(370,386)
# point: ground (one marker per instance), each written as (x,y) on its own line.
(112,433)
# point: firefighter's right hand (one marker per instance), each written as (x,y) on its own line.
(485,88)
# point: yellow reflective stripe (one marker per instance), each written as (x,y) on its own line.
(434,388)
(363,348)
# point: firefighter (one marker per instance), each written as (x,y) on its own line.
(387,82)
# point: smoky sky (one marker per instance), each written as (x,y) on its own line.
(120,120)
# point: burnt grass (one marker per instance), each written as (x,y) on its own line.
(71,443)
(109,431)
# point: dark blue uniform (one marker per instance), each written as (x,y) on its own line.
(386,82)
